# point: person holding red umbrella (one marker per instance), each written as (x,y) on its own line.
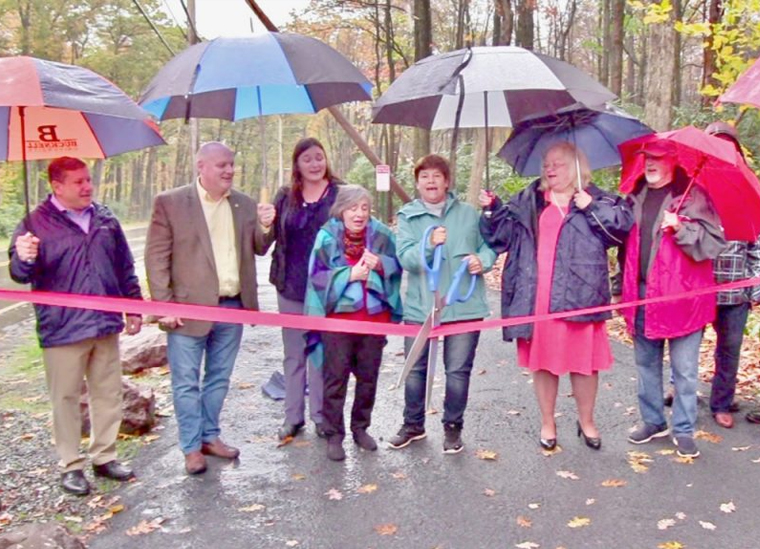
(741,260)
(676,234)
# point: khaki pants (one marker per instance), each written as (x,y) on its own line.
(66,366)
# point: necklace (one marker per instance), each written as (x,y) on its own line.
(556,203)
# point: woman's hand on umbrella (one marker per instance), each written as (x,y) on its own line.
(475,265)
(486,198)
(266,213)
(582,199)
(360,271)
(27,247)
(438,236)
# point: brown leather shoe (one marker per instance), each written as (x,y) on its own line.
(724,419)
(195,463)
(219,449)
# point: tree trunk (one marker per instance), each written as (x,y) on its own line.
(643,68)
(616,47)
(525,26)
(658,107)
(604,74)
(677,76)
(503,10)
(423,47)
(709,64)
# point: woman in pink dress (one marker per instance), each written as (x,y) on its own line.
(556,233)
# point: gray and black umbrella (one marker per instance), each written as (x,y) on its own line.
(236,78)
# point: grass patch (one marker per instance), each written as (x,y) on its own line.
(22,379)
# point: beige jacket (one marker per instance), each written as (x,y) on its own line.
(180,262)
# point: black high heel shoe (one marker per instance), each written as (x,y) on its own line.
(595,443)
(548,444)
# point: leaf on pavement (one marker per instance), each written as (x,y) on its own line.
(245,385)
(252,508)
(399,475)
(638,461)
(524,522)
(664,524)
(707,525)
(72,518)
(534,505)
(579,522)
(481,372)
(145,527)
(681,516)
(709,437)
(666,452)
(614,483)
(741,448)
(116,508)
(590,501)
(568,475)
(489,492)
(285,442)
(147,439)
(728,507)
(513,412)
(671,545)
(334,493)
(291,543)
(386,529)
(686,460)
(367,489)
(527,545)
(298,476)
(486,455)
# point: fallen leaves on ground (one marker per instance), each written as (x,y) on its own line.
(666,452)
(145,527)
(568,475)
(708,436)
(252,508)
(671,545)
(513,412)
(664,524)
(614,483)
(728,507)
(386,529)
(486,455)
(334,493)
(638,461)
(527,545)
(524,522)
(590,501)
(686,460)
(534,506)
(681,516)
(298,476)
(489,492)
(399,475)
(367,489)
(707,525)
(291,543)
(579,522)
(741,448)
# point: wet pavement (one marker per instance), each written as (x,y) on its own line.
(420,498)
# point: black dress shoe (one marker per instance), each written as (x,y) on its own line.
(548,444)
(289,430)
(320,430)
(594,443)
(113,470)
(74,482)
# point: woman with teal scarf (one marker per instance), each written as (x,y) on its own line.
(353,275)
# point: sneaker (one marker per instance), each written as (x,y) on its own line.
(647,432)
(405,436)
(686,446)
(364,441)
(335,450)
(452,439)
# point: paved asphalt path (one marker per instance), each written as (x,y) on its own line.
(288,497)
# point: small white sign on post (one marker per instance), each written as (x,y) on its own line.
(383,177)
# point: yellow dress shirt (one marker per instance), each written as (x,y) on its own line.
(221,229)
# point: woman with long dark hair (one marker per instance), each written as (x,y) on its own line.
(302,208)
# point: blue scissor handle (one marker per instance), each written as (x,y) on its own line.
(453,294)
(433,271)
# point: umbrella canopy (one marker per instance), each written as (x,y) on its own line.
(498,86)
(715,165)
(746,89)
(66,111)
(597,132)
(236,78)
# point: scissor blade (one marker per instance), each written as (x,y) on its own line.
(416,349)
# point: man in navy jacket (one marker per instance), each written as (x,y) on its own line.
(71,244)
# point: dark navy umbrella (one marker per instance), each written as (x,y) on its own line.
(597,132)
(236,78)
(50,109)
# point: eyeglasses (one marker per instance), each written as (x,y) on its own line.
(554,166)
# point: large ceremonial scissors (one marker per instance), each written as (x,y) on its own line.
(434,318)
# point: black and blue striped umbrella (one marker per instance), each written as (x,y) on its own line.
(237,78)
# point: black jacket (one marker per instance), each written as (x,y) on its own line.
(581,276)
(96,263)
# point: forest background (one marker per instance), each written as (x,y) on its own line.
(667,61)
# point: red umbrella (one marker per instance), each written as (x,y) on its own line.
(746,89)
(715,165)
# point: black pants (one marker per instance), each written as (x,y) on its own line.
(347,354)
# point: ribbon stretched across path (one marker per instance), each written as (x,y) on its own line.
(300,322)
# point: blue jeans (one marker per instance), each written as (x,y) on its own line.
(684,363)
(198,405)
(458,357)
(729,327)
